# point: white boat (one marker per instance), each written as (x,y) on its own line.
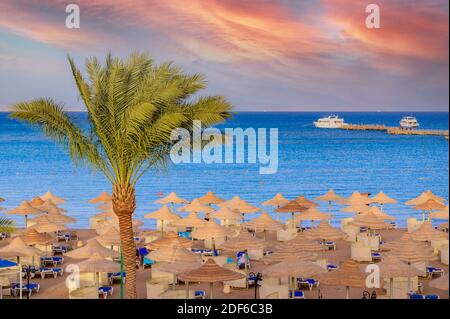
(409,122)
(331,121)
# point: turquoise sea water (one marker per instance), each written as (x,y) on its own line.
(310,161)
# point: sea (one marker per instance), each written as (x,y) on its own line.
(310,161)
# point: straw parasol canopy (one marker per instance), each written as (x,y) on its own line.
(2,199)
(289,253)
(312,214)
(210,272)
(380,214)
(197,207)
(422,198)
(241,205)
(50,207)
(369,220)
(177,267)
(348,275)
(301,243)
(411,251)
(24,209)
(382,198)
(426,232)
(277,201)
(18,248)
(92,247)
(172,198)
(263,222)
(442,214)
(211,230)
(109,238)
(56,218)
(174,252)
(225,213)
(97,263)
(36,202)
(324,231)
(443,226)
(104,197)
(303,201)
(294,268)
(243,241)
(164,213)
(32,237)
(55,199)
(292,207)
(192,220)
(356,209)
(440,283)
(210,198)
(106,206)
(106,214)
(392,267)
(45,225)
(429,205)
(168,240)
(329,196)
(355,199)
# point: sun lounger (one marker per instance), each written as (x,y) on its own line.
(3,236)
(330,245)
(307,282)
(331,267)
(54,260)
(433,271)
(415,296)
(185,234)
(241,258)
(432,297)
(105,291)
(376,256)
(62,249)
(199,294)
(29,288)
(298,294)
(116,276)
(147,262)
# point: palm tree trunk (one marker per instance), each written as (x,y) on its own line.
(124,204)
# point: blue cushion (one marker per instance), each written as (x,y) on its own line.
(432,296)
(416,296)
(6,263)
(105,288)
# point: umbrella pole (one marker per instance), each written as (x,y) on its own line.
(391,287)
(26,221)
(210,290)
(187,289)
(20,277)
(347,292)
(329,206)
(246,270)
(423,215)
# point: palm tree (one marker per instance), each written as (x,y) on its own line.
(6,225)
(133,105)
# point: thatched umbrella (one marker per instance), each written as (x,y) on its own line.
(17,248)
(441,214)
(440,283)
(163,214)
(277,201)
(330,196)
(422,198)
(348,275)
(209,272)
(106,206)
(32,237)
(196,207)
(211,230)
(2,199)
(172,199)
(381,198)
(324,231)
(380,214)
(241,205)
(225,213)
(168,240)
(109,238)
(45,225)
(292,207)
(426,232)
(243,241)
(192,220)
(369,220)
(92,247)
(56,218)
(24,209)
(289,253)
(55,199)
(429,206)
(36,202)
(210,198)
(303,201)
(104,197)
(301,243)
(177,267)
(293,269)
(356,209)
(50,207)
(356,198)
(391,267)
(443,226)
(175,252)
(263,223)
(411,251)
(312,214)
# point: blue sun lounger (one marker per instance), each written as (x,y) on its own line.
(113,276)
(376,256)
(44,271)
(431,271)
(432,297)
(105,291)
(308,282)
(298,294)
(331,267)
(54,260)
(147,262)
(199,294)
(29,288)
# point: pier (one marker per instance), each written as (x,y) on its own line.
(394,130)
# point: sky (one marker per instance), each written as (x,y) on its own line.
(285,55)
